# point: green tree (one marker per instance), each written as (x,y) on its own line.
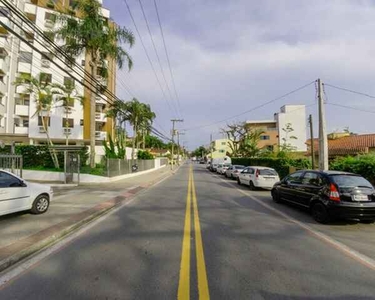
(286,148)
(249,143)
(69,95)
(140,116)
(119,114)
(199,152)
(235,134)
(154,142)
(44,96)
(99,39)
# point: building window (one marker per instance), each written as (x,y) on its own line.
(47,120)
(67,123)
(81,122)
(45,78)
(221,151)
(25,122)
(50,16)
(25,57)
(269,148)
(223,143)
(83,63)
(264,137)
(68,81)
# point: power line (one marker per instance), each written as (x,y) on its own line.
(155,50)
(254,108)
(147,55)
(351,107)
(167,55)
(52,61)
(348,90)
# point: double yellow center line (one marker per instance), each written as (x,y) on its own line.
(184,283)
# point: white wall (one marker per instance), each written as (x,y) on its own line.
(296,116)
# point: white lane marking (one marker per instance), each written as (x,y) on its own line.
(363,259)
(24,266)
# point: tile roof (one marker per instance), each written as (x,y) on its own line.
(349,145)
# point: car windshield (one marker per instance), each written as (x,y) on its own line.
(267,172)
(226,165)
(239,167)
(351,181)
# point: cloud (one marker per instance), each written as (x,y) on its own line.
(229,56)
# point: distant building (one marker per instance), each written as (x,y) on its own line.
(344,143)
(288,127)
(220,148)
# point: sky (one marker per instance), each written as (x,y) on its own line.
(228,57)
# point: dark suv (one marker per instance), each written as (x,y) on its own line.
(328,194)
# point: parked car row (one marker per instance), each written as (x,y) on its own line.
(327,195)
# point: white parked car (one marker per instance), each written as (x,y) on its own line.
(18,195)
(233,171)
(222,168)
(258,177)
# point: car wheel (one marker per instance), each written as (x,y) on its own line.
(231,176)
(320,213)
(238,181)
(226,176)
(40,205)
(276,196)
(252,186)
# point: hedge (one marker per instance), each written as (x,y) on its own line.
(362,164)
(35,156)
(281,165)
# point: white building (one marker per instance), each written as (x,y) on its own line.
(287,128)
(294,118)
(18,121)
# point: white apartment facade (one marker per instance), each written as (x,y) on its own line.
(19,121)
(287,128)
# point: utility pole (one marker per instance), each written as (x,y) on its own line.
(173,134)
(312,142)
(211,148)
(178,146)
(323,142)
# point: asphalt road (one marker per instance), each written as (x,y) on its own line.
(205,231)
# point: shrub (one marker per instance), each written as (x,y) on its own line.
(362,164)
(144,155)
(38,156)
(281,165)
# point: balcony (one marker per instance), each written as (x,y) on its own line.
(102,99)
(21,130)
(22,110)
(49,24)
(105,13)
(100,135)
(3,66)
(100,117)
(3,88)
(30,8)
(24,67)
(4,43)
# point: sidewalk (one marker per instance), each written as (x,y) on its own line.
(23,234)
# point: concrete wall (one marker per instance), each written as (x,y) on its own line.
(84,178)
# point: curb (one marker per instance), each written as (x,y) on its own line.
(25,247)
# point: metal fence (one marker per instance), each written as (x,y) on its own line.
(11,163)
(117,167)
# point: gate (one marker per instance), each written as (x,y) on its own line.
(11,163)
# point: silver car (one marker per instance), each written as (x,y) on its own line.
(233,171)
(221,169)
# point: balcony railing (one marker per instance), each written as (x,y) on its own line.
(100,135)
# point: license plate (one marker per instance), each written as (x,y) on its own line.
(360,198)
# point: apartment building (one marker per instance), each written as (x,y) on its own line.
(19,121)
(220,148)
(288,127)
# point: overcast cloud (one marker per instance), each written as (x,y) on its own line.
(229,56)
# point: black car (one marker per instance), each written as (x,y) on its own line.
(328,194)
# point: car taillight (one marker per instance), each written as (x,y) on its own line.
(334,193)
(257,174)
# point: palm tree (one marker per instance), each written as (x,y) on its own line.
(119,114)
(140,116)
(69,95)
(99,39)
(44,95)
(146,123)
